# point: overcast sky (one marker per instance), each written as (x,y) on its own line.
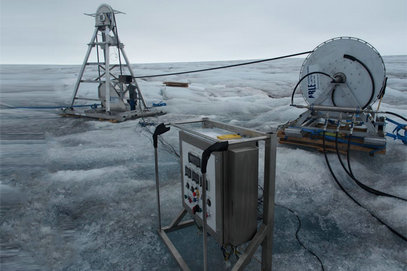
(56,31)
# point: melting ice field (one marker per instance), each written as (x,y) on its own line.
(79,194)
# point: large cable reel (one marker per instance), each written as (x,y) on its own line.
(343,72)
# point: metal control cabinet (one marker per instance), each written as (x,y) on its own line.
(231,184)
(225,159)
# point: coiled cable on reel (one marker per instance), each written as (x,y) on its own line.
(305,76)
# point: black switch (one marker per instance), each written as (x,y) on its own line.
(209,202)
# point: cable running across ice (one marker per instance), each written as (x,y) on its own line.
(350,196)
(171,149)
(260,203)
(224,67)
(297,236)
(352,176)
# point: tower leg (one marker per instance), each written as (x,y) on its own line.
(85,61)
(107,70)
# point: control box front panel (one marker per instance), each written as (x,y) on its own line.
(231,188)
(192,183)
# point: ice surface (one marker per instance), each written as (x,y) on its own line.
(80,194)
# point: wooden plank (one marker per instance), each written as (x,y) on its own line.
(176,84)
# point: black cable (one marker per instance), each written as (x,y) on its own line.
(352,198)
(350,173)
(383,90)
(352,58)
(223,67)
(260,202)
(394,114)
(164,143)
(98,59)
(171,147)
(332,96)
(302,78)
(298,238)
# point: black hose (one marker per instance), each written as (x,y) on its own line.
(397,115)
(352,198)
(352,58)
(383,90)
(350,173)
(332,97)
(224,67)
(305,76)
(298,238)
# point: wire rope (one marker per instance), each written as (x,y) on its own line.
(223,67)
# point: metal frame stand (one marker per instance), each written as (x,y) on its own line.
(264,235)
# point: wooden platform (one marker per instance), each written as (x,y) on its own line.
(316,142)
(112,117)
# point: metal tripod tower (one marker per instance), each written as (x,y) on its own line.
(118,92)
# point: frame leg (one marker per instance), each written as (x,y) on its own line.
(251,249)
(182,264)
(268,207)
(157,184)
(176,224)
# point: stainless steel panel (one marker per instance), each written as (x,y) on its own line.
(233,190)
(240,195)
